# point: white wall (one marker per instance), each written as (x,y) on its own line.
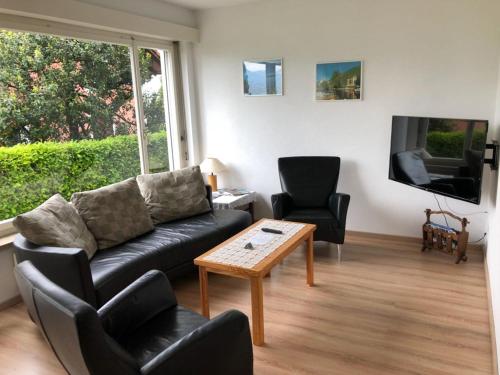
(422,57)
(493,245)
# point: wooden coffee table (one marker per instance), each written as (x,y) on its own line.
(276,251)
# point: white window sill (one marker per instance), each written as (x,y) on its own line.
(7,233)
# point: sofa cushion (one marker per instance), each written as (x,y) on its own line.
(56,223)
(169,246)
(174,195)
(114,213)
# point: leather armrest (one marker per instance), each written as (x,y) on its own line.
(221,346)
(338,204)
(139,302)
(209,196)
(282,204)
(67,267)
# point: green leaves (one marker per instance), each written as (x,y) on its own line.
(55,88)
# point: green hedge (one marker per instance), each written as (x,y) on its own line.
(29,174)
(450,144)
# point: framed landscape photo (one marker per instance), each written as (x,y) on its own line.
(263,77)
(339,80)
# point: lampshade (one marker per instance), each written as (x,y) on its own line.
(212,165)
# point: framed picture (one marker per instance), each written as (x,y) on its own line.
(339,80)
(263,77)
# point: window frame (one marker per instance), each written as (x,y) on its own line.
(172,82)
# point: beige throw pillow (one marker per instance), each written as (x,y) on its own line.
(174,195)
(56,223)
(115,213)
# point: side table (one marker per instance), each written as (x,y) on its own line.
(242,202)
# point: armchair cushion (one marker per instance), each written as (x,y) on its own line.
(138,303)
(160,332)
(311,215)
(328,228)
(220,346)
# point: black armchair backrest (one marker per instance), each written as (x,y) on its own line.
(409,167)
(309,180)
(71,327)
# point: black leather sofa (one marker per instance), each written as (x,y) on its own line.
(170,248)
(142,330)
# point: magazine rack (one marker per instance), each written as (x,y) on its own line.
(446,238)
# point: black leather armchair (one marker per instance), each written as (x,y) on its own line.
(141,330)
(309,185)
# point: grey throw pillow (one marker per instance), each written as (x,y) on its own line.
(56,223)
(174,195)
(115,213)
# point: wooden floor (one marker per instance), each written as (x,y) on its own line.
(387,309)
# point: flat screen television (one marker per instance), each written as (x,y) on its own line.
(440,155)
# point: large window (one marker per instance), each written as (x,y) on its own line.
(77,115)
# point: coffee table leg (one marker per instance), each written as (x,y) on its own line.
(205,309)
(257,311)
(310,261)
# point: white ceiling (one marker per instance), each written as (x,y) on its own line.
(207,4)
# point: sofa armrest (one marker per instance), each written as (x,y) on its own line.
(136,304)
(220,346)
(282,204)
(67,267)
(338,204)
(209,196)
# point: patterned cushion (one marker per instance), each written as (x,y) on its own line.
(114,213)
(174,195)
(56,223)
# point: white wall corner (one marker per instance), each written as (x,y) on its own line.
(492,261)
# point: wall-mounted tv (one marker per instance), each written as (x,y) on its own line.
(440,155)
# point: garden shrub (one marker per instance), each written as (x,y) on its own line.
(451,144)
(29,174)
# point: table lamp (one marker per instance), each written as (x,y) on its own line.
(211,166)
